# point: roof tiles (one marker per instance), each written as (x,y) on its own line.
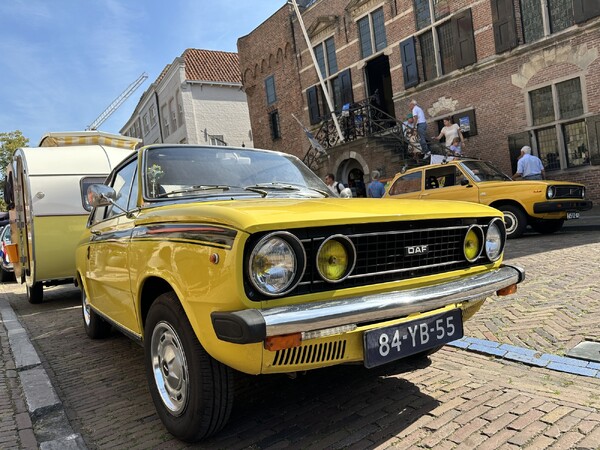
(211,65)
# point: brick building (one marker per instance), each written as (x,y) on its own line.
(510,72)
(197,99)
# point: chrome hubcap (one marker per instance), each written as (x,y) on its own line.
(86,308)
(169,367)
(510,221)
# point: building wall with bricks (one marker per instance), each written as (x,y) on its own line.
(496,91)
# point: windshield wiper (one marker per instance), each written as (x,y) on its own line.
(262,188)
(197,188)
(274,186)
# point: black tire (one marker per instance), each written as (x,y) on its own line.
(196,402)
(35,292)
(95,326)
(6,276)
(547,226)
(515,220)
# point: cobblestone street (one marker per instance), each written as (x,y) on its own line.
(460,399)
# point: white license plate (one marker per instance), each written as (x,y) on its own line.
(572,215)
(383,345)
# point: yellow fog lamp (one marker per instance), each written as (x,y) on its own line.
(336,258)
(472,245)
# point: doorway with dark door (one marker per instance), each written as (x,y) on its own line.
(515,143)
(379,83)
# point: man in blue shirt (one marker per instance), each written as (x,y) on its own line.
(529,167)
(376,187)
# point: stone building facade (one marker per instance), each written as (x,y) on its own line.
(197,99)
(510,72)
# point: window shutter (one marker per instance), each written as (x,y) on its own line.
(313,105)
(409,63)
(346,87)
(505,33)
(464,39)
(585,10)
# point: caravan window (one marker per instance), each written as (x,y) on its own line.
(85,184)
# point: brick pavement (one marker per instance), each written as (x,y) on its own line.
(458,400)
(16,430)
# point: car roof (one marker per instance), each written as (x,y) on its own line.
(453,162)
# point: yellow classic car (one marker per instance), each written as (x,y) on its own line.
(218,259)
(544,205)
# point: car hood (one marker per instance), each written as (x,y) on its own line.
(525,184)
(264,214)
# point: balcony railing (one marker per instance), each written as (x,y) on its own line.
(365,119)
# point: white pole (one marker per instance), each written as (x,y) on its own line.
(314,59)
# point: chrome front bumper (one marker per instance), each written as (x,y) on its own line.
(255,325)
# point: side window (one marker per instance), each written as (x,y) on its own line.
(270,89)
(133,193)
(461,178)
(431,181)
(406,184)
(443,177)
(122,185)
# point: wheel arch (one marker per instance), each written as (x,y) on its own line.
(152,288)
(498,203)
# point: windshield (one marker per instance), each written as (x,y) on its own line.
(483,171)
(186,171)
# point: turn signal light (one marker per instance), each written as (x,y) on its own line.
(507,290)
(274,343)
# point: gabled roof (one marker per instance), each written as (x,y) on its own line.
(212,65)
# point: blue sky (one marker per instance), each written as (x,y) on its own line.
(62,62)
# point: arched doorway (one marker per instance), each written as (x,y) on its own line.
(351,173)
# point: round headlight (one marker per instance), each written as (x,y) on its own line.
(472,245)
(495,239)
(550,192)
(274,266)
(336,258)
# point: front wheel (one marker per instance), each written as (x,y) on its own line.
(95,326)
(35,292)
(515,220)
(547,226)
(192,392)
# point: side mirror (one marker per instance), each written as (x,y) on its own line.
(101,195)
(464,182)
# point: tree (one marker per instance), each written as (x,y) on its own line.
(9,142)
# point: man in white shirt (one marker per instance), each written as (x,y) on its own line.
(334,186)
(419,116)
(529,167)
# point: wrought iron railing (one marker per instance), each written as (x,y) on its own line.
(365,119)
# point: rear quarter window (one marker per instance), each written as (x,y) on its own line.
(406,184)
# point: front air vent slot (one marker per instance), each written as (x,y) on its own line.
(311,354)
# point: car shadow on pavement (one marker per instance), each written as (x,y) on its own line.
(334,408)
(533,243)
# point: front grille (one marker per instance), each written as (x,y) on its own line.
(381,252)
(568,192)
(311,353)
